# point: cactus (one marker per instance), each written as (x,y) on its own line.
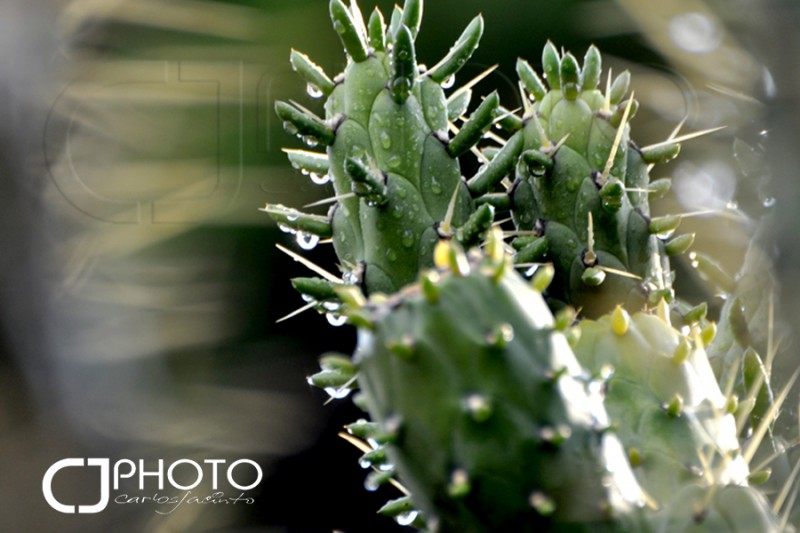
(581,188)
(488,421)
(394,166)
(481,413)
(671,415)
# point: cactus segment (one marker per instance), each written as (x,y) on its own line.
(500,165)
(377,31)
(412,16)
(304,123)
(460,52)
(472,131)
(665,402)
(296,221)
(512,440)
(349,34)
(311,72)
(731,509)
(403,64)
(578,163)
(531,80)
(395,172)
(309,162)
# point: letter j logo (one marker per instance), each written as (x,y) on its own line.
(47,485)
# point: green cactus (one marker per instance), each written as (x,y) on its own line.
(487,419)
(730,509)
(481,413)
(663,397)
(393,163)
(581,188)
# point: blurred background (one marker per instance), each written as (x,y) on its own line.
(140,286)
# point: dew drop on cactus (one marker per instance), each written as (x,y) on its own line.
(314,91)
(448,82)
(306,241)
(406,519)
(319,179)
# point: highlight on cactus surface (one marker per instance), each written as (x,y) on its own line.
(525,358)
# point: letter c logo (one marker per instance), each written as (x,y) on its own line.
(47,488)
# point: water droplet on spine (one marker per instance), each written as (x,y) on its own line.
(310,141)
(338,394)
(448,83)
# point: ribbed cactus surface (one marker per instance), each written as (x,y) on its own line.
(491,422)
(389,148)
(581,188)
(663,397)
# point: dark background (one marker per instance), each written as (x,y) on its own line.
(140,285)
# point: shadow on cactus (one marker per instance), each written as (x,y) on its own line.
(487,412)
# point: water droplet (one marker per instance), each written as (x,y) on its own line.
(331,306)
(310,141)
(313,91)
(339,27)
(351,278)
(732,204)
(386,140)
(391,255)
(285,228)
(406,519)
(319,180)
(306,241)
(289,127)
(394,161)
(408,238)
(338,394)
(402,83)
(769,201)
(436,187)
(402,193)
(447,83)
(335,319)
